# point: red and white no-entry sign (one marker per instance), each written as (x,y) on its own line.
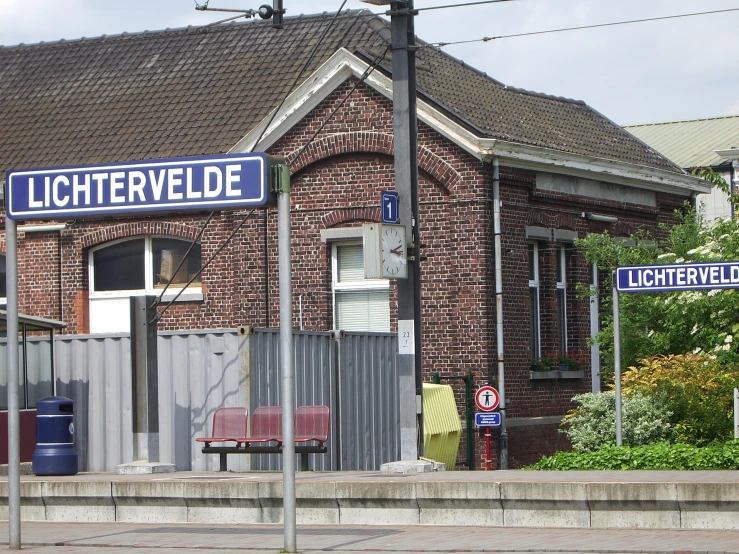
(487,398)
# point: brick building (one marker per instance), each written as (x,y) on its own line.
(565,171)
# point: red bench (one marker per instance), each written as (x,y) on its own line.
(311,426)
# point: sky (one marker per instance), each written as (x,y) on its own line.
(668,70)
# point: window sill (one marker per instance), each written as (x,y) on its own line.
(189,295)
(556,374)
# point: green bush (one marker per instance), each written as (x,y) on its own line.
(697,389)
(592,425)
(654,456)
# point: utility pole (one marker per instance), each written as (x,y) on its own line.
(410,364)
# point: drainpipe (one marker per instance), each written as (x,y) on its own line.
(499,314)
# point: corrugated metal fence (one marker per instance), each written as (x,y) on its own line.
(199,371)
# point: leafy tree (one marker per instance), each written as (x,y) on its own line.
(674,322)
(648,325)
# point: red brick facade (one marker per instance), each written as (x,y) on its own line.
(336,183)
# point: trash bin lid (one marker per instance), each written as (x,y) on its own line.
(52,405)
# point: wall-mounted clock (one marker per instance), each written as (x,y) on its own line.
(394,254)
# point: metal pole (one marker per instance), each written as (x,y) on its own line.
(736,413)
(145,378)
(14,444)
(286,367)
(617,360)
(499,315)
(410,364)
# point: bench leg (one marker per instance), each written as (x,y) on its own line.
(304,462)
(222,456)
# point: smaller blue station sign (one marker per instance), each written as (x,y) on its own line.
(671,277)
(206,182)
(390,207)
(488,419)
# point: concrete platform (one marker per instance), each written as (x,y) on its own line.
(598,499)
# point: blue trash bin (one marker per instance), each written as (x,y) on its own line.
(55,453)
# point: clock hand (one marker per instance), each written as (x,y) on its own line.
(396,251)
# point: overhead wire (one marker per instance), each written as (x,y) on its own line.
(256,143)
(487,39)
(206,264)
(362,78)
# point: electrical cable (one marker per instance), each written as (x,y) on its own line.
(256,143)
(661,18)
(184,258)
(361,79)
(206,264)
(298,75)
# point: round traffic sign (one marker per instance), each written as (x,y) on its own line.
(487,398)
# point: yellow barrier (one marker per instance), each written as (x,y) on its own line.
(441,426)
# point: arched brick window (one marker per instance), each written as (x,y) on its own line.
(138,266)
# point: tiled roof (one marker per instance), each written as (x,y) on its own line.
(185,92)
(691,143)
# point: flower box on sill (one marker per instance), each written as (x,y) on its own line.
(572,374)
(552,374)
(557,374)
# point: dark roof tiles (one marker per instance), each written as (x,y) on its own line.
(185,92)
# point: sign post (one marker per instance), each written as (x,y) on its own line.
(487,399)
(663,278)
(225,181)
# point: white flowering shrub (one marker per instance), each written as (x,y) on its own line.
(592,425)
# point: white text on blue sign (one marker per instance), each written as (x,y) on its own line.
(488,419)
(212,182)
(661,278)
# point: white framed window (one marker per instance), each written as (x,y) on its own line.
(562,297)
(534,312)
(138,266)
(359,304)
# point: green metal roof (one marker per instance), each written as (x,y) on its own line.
(691,143)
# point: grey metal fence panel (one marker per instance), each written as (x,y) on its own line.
(95,372)
(313,368)
(355,376)
(199,371)
(369,422)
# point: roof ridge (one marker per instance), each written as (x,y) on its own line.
(657,123)
(147,32)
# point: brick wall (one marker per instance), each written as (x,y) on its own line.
(336,183)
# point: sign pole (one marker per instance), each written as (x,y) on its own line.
(14,476)
(617,359)
(488,450)
(286,364)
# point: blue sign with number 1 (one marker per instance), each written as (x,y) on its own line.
(390,208)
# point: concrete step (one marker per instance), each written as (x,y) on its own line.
(657,500)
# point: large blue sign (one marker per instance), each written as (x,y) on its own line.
(197,183)
(663,278)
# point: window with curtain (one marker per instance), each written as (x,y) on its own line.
(562,298)
(139,266)
(359,304)
(534,313)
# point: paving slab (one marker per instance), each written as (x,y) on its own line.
(254,539)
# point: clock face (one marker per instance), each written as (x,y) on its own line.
(394,263)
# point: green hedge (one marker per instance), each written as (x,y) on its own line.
(654,456)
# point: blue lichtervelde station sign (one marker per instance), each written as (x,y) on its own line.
(206,182)
(674,277)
